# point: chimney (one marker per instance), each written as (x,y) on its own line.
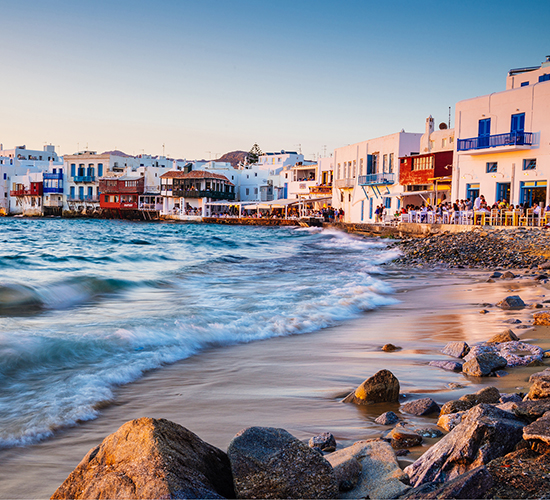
(429,125)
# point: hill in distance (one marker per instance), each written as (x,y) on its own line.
(233,157)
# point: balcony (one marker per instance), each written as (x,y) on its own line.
(344,183)
(20,192)
(84,178)
(215,195)
(53,176)
(53,190)
(380,179)
(505,142)
(320,190)
(90,199)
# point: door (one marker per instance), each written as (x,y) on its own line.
(484,133)
(517,127)
(472,191)
(503,191)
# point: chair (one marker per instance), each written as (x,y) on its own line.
(493,218)
(405,217)
(527,218)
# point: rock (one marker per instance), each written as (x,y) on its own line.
(512,321)
(472,484)
(420,407)
(388,418)
(451,366)
(505,336)
(519,353)
(535,306)
(450,420)
(532,410)
(496,274)
(512,302)
(483,311)
(486,395)
(540,277)
(509,406)
(381,476)
(454,385)
(511,397)
(402,437)
(484,434)
(541,318)
(455,406)
(539,429)
(544,375)
(483,364)
(271,463)
(520,474)
(428,432)
(540,389)
(347,470)
(545,265)
(325,442)
(150,458)
(402,453)
(382,387)
(390,348)
(490,280)
(456,349)
(500,373)
(508,275)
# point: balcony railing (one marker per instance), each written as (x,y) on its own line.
(84,178)
(91,199)
(216,195)
(344,183)
(320,189)
(20,192)
(53,176)
(53,190)
(493,141)
(383,178)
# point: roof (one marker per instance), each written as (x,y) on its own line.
(194,174)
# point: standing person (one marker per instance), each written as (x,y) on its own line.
(377,214)
(468,204)
(477,202)
(342,215)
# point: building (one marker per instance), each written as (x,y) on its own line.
(503,141)
(26,194)
(186,193)
(426,176)
(53,189)
(366,174)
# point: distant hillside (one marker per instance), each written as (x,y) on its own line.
(233,157)
(116,152)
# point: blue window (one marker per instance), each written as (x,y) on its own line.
(503,191)
(472,191)
(90,192)
(5,176)
(362,209)
(491,166)
(72,193)
(529,164)
(398,203)
(90,172)
(544,78)
(387,202)
(73,169)
(100,169)
(370,166)
(81,193)
(518,123)
(370,208)
(54,171)
(524,84)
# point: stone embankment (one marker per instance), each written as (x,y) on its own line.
(482,247)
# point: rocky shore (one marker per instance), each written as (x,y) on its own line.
(483,247)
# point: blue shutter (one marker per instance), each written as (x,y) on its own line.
(72,192)
(73,169)
(369,165)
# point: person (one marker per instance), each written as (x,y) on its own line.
(377,214)
(477,203)
(468,204)
(342,214)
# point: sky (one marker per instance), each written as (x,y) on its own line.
(196,79)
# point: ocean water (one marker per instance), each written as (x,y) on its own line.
(87,306)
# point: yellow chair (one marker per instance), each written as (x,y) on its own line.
(527,218)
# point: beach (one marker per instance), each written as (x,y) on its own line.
(297,382)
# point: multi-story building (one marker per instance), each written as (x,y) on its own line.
(186,193)
(26,194)
(366,174)
(503,145)
(121,193)
(426,176)
(83,171)
(53,189)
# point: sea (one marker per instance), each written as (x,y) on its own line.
(216,327)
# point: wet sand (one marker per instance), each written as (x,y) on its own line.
(297,383)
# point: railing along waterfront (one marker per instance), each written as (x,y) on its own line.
(493,141)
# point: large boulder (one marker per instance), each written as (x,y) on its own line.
(451,366)
(472,484)
(505,336)
(404,437)
(484,434)
(150,458)
(538,430)
(272,463)
(381,476)
(512,302)
(457,349)
(387,418)
(382,387)
(540,389)
(489,395)
(532,410)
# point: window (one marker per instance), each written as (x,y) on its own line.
(354,169)
(390,164)
(518,123)
(255,174)
(387,202)
(491,167)
(361,168)
(384,163)
(338,172)
(375,163)
(72,192)
(544,78)
(247,191)
(529,164)
(524,84)
(5,176)
(255,190)
(444,142)
(100,169)
(73,169)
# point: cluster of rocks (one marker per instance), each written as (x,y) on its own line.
(497,443)
(483,247)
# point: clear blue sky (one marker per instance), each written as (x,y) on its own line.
(205,77)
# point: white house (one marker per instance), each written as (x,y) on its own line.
(503,141)
(366,174)
(26,194)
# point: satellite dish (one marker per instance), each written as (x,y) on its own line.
(442,126)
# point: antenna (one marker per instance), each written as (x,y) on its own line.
(324,151)
(299,149)
(449,116)
(163,149)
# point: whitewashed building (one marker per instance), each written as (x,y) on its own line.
(366,174)
(503,141)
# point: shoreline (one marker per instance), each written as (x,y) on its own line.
(306,375)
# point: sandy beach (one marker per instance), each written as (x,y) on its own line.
(297,382)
